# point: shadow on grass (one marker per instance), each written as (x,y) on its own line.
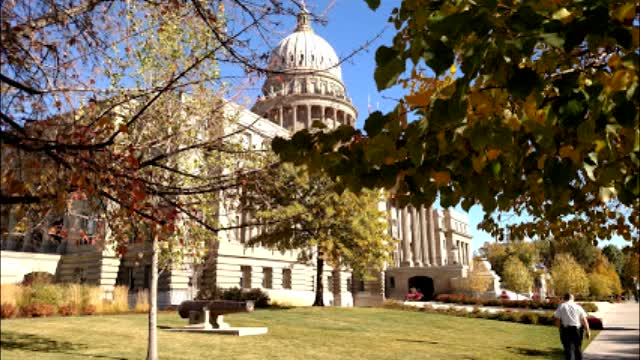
(550,354)
(419,341)
(28,342)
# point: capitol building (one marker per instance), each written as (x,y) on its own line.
(304,85)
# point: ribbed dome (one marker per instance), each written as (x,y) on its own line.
(305,51)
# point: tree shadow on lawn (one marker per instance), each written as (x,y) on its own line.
(548,353)
(29,342)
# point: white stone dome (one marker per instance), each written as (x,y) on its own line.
(304,51)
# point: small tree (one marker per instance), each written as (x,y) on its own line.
(604,280)
(302,211)
(516,275)
(568,276)
(631,270)
(476,282)
(615,257)
(496,254)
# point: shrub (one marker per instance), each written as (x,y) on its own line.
(142,301)
(7,310)
(546,319)
(210,293)
(89,309)
(568,276)
(529,318)
(74,294)
(37,277)
(492,302)
(120,301)
(594,323)
(11,294)
(233,293)
(260,298)
(46,294)
(37,310)
(67,310)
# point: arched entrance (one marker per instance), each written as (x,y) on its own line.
(424,284)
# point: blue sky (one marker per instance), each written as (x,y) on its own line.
(350,24)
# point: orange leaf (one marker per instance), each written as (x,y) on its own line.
(441,178)
(492,154)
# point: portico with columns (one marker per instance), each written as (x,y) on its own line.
(434,247)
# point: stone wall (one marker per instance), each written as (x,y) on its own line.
(397,278)
(15,265)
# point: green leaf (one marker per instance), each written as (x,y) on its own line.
(386,74)
(438,56)
(375,123)
(523,82)
(373,4)
(553,39)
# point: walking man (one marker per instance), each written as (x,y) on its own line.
(570,318)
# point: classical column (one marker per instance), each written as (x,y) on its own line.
(424,237)
(336,287)
(415,237)
(406,234)
(322,118)
(308,124)
(435,236)
(280,116)
(295,118)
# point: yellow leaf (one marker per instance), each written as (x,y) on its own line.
(626,11)
(541,162)
(478,163)
(567,151)
(562,14)
(389,160)
(420,99)
(619,80)
(481,103)
(614,61)
(453,69)
(635,37)
(441,178)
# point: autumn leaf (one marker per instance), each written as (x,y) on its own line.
(492,154)
(441,178)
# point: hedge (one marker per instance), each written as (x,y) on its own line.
(525,304)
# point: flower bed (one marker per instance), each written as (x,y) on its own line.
(525,304)
(524,317)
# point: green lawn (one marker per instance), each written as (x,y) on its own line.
(301,333)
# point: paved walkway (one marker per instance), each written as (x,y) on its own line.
(620,338)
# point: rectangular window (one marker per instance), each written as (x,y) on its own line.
(245,281)
(267,278)
(392,282)
(360,285)
(349,284)
(286,278)
(330,283)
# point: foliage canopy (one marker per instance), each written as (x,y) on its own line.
(540,120)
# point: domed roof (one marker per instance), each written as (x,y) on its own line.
(305,51)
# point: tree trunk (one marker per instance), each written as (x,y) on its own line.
(152,344)
(319,301)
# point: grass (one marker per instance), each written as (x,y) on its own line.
(300,333)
